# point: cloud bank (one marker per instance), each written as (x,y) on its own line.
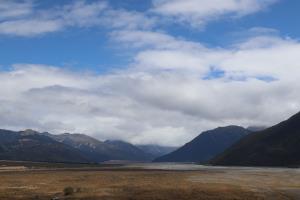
(173,89)
(167,96)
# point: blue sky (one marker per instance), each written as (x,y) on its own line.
(147,71)
(91,48)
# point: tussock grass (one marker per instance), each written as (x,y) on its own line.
(149,185)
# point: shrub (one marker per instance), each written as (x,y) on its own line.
(68,191)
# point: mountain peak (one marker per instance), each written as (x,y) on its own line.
(274,146)
(29,132)
(206,145)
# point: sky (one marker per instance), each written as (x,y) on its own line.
(147,71)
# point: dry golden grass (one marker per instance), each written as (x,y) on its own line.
(130,184)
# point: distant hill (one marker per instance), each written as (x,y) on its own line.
(121,150)
(275,146)
(92,148)
(157,150)
(31,146)
(207,145)
(99,151)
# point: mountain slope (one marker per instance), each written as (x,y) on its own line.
(121,150)
(256,128)
(275,146)
(206,145)
(92,148)
(99,151)
(31,146)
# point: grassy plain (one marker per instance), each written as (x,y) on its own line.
(125,183)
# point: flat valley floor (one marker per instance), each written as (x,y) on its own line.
(146,182)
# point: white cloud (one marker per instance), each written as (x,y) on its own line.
(30,27)
(151,39)
(199,12)
(39,21)
(81,13)
(253,57)
(144,104)
(12,9)
(22,18)
(128,20)
(32,21)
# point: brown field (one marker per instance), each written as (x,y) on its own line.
(136,183)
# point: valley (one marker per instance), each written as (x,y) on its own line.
(146,181)
(149,100)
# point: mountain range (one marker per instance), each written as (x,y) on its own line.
(275,146)
(99,151)
(30,145)
(206,146)
(278,145)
